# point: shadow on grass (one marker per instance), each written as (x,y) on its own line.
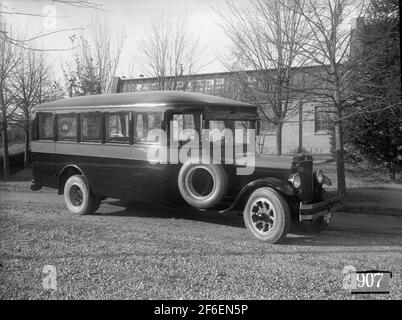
(337,235)
(233,219)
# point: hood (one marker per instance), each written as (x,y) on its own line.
(271,161)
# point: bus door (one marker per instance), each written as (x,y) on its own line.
(116,164)
(184,132)
(147,149)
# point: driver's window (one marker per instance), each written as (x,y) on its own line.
(216,130)
(241,128)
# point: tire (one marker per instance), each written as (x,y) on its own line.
(267,215)
(78,197)
(212,194)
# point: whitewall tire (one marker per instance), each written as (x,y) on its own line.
(78,197)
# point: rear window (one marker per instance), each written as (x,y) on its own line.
(46,126)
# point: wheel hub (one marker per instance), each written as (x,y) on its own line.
(263,215)
(76,195)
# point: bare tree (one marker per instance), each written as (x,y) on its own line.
(31,84)
(95,60)
(168,51)
(329,48)
(26,42)
(8,60)
(267,36)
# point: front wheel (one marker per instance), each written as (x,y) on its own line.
(267,215)
(78,197)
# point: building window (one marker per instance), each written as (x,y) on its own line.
(190,86)
(199,86)
(267,127)
(219,84)
(118,127)
(144,123)
(321,119)
(67,127)
(252,81)
(46,126)
(180,85)
(209,86)
(91,124)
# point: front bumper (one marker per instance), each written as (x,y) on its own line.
(309,212)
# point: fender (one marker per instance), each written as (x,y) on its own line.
(66,167)
(273,183)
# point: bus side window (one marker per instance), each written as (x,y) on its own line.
(91,127)
(118,127)
(144,123)
(67,124)
(45,123)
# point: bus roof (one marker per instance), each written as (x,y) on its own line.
(145,98)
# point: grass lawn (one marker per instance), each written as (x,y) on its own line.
(370,189)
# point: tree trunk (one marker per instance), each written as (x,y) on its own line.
(339,151)
(339,156)
(392,172)
(279,138)
(27,158)
(6,160)
(300,147)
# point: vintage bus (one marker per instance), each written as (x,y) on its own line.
(93,147)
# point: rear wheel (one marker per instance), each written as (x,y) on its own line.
(78,197)
(267,215)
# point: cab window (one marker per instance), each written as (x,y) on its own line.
(241,128)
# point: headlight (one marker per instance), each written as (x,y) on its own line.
(319,176)
(295,180)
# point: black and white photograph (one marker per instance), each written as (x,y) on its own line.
(200,155)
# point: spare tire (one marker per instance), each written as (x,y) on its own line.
(202,185)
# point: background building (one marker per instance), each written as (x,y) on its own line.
(306,128)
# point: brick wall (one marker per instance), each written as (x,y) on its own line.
(312,142)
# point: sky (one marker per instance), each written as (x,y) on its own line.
(132,16)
